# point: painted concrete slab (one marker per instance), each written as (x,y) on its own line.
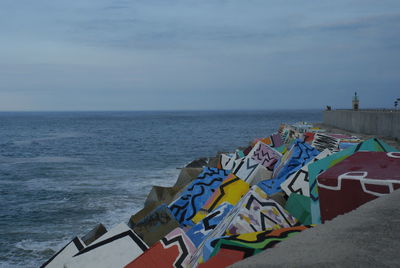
(298,156)
(247,169)
(174,250)
(156,225)
(369,236)
(314,169)
(114,249)
(259,213)
(201,230)
(249,244)
(356,180)
(196,195)
(65,254)
(265,155)
(231,190)
(203,251)
(325,141)
(299,206)
(227,161)
(298,182)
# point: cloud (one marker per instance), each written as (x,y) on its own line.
(109,53)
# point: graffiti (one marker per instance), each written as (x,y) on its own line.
(156,225)
(203,251)
(227,161)
(314,169)
(231,190)
(356,180)
(298,156)
(67,252)
(274,140)
(253,212)
(265,155)
(174,250)
(308,137)
(196,194)
(323,141)
(116,248)
(298,181)
(247,169)
(259,213)
(257,241)
(200,231)
(249,244)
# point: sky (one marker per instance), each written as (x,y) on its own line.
(198,54)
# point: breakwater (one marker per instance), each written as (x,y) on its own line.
(375,122)
(234,205)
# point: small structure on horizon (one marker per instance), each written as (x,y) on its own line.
(355,102)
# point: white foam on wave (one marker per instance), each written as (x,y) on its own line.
(33,251)
(39,246)
(129,193)
(129,204)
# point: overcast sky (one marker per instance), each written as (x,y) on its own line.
(180,55)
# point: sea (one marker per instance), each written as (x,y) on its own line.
(61,173)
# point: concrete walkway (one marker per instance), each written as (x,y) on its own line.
(366,237)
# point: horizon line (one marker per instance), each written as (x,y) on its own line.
(159,110)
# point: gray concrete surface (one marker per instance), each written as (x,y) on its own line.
(383,123)
(366,237)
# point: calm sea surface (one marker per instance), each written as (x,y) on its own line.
(61,173)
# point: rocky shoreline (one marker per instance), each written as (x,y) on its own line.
(234,205)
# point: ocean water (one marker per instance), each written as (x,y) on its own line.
(61,173)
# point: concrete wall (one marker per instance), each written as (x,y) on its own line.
(378,122)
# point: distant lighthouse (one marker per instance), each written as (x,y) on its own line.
(355,102)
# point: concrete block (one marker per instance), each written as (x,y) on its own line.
(298,156)
(196,195)
(265,155)
(298,182)
(299,206)
(142,213)
(231,249)
(231,190)
(174,250)
(74,246)
(325,141)
(259,213)
(201,230)
(162,194)
(248,169)
(314,169)
(186,176)
(64,254)
(156,225)
(197,163)
(116,248)
(356,180)
(213,162)
(94,234)
(227,161)
(280,198)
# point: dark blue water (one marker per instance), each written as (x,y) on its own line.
(62,173)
